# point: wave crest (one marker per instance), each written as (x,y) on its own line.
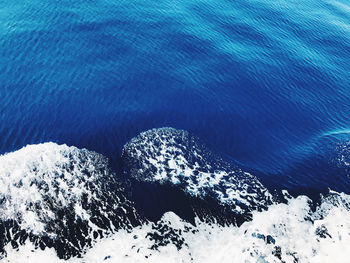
(167,155)
(60,196)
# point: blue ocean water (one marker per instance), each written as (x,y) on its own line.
(262,83)
(170,130)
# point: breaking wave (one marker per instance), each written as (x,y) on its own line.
(61,197)
(173,156)
(61,203)
(291,232)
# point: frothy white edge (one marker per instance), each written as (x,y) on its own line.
(288,224)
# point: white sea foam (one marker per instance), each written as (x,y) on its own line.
(38,178)
(36,172)
(284,233)
(39,181)
(61,193)
(167,155)
(342,154)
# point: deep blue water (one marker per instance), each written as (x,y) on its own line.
(262,83)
